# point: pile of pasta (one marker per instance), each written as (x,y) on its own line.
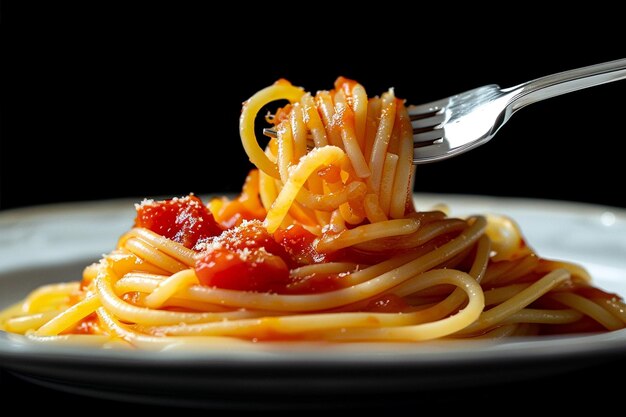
(324,243)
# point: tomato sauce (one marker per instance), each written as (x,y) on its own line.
(596,293)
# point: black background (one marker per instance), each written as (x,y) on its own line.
(105,100)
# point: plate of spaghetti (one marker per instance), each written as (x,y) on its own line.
(324,269)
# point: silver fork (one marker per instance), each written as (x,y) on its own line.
(454,125)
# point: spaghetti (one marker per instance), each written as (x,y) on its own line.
(323,244)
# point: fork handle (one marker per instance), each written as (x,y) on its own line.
(565,82)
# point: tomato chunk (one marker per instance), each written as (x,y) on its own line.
(298,243)
(245,258)
(184,220)
(243,270)
(249,235)
(248,258)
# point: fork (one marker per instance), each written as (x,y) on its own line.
(454,125)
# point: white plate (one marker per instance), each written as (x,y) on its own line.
(54,243)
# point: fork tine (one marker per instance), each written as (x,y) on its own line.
(428,119)
(270,132)
(425,135)
(423,113)
(415,111)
